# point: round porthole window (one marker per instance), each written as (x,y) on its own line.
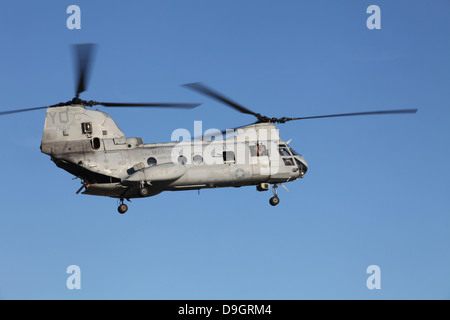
(197,159)
(151,161)
(182,160)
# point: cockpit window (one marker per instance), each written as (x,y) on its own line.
(295,153)
(283,150)
(301,166)
(288,161)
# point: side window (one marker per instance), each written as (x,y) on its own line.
(151,161)
(182,160)
(259,150)
(228,157)
(288,161)
(86,127)
(252,150)
(95,143)
(197,159)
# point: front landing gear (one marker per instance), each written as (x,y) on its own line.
(122,208)
(274,200)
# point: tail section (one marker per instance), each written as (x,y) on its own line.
(71,129)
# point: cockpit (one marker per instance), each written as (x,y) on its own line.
(292,158)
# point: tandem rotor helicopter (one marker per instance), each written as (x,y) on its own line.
(89,145)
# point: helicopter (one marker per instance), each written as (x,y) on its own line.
(90,145)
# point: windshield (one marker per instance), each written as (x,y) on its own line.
(295,153)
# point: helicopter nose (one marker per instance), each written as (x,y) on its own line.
(302,166)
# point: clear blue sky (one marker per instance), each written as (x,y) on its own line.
(377,188)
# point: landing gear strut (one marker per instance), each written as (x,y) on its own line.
(274,200)
(122,207)
(143,190)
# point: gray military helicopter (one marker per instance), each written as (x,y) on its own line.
(90,145)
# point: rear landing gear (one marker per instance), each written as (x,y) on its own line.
(143,189)
(143,192)
(122,208)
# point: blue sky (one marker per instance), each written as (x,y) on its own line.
(376,192)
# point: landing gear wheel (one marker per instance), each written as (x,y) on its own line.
(143,192)
(274,200)
(122,208)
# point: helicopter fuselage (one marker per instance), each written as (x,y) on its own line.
(90,145)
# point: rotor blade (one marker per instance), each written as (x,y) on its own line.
(2,113)
(83,56)
(197,86)
(209,135)
(356,114)
(148,104)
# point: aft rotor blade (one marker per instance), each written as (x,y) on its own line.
(199,87)
(83,57)
(2,113)
(148,104)
(356,114)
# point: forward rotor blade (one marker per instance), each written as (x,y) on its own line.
(2,113)
(356,114)
(83,56)
(199,87)
(148,104)
(203,137)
